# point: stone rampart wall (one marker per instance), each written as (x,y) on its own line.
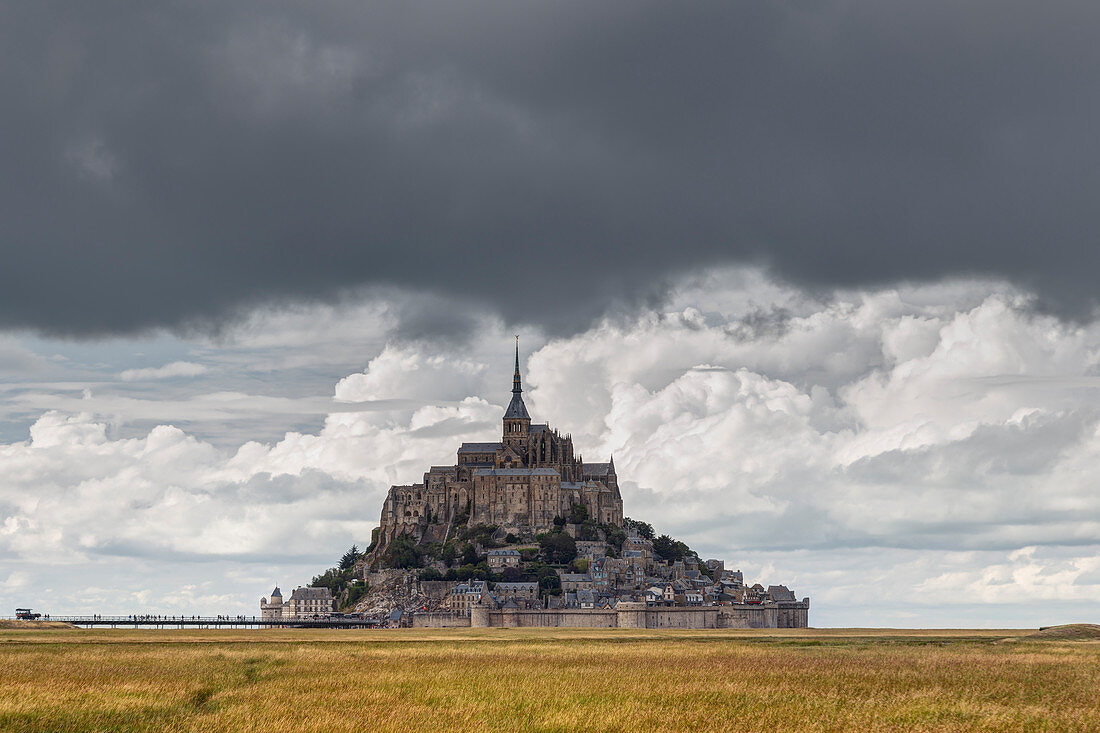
(748,617)
(440,620)
(631,616)
(572,618)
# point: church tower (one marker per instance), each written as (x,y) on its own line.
(517,423)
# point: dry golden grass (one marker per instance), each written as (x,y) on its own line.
(545,680)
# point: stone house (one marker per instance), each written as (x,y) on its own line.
(464,595)
(575,581)
(516,591)
(303,602)
(503,558)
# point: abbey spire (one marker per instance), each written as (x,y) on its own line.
(517,421)
(516,388)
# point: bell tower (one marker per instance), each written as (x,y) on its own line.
(517,423)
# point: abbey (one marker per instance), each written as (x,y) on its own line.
(520,484)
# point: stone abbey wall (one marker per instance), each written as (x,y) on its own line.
(787,615)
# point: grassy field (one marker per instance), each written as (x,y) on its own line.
(523,680)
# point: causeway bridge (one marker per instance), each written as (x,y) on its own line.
(162,621)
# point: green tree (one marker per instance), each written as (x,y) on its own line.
(578,513)
(550,585)
(431,574)
(667,548)
(615,536)
(645,529)
(469,555)
(558,547)
(349,558)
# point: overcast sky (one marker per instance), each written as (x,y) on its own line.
(820,275)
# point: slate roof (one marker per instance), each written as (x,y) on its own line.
(277,592)
(597,469)
(506,553)
(311,594)
(516,408)
(540,428)
(515,472)
(780,593)
(480,447)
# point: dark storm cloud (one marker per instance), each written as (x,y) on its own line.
(165,164)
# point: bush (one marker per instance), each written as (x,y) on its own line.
(581,565)
(511,575)
(431,574)
(587,531)
(481,534)
(356,592)
(403,552)
(577,513)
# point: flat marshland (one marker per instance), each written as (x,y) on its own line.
(547,680)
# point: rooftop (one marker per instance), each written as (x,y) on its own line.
(479,447)
(515,472)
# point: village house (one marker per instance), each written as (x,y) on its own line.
(515,591)
(575,581)
(303,602)
(465,595)
(503,559)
